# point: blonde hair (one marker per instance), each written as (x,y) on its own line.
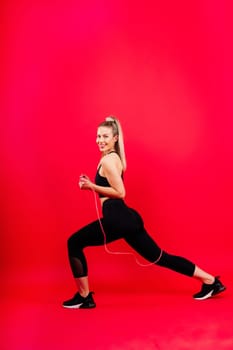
(114,123)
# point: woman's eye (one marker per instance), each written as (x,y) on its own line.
(102,136)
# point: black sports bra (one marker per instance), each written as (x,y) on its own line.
(102,181)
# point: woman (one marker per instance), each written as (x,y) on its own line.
(120,221)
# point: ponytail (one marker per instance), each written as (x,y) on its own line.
(117,130)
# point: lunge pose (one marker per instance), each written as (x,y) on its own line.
(120,221)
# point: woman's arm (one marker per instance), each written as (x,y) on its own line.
(111,169)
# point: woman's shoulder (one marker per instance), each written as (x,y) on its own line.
(111,159)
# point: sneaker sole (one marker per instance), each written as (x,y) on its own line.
(79,306)
(209,295)
(72,306)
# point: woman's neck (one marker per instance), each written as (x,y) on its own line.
(108,152)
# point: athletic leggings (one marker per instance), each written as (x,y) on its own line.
(120,221)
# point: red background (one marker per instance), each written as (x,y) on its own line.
(165,70)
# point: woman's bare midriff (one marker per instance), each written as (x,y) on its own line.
(103,199)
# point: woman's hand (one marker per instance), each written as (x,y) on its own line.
(85,183)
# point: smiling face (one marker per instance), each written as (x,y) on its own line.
(105,139)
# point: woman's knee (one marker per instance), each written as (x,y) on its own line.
(73,243)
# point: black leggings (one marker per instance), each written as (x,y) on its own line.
(120,221)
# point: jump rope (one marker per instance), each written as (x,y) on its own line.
(117,252)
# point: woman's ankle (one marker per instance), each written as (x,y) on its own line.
(84,294)
(209,280)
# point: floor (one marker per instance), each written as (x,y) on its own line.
(32,319)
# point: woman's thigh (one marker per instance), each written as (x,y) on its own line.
(144,245)
(93,234)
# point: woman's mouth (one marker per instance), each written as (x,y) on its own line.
(101,146)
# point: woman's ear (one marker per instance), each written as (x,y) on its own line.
(116,138)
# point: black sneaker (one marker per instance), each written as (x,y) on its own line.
(209,290)
(79,302)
